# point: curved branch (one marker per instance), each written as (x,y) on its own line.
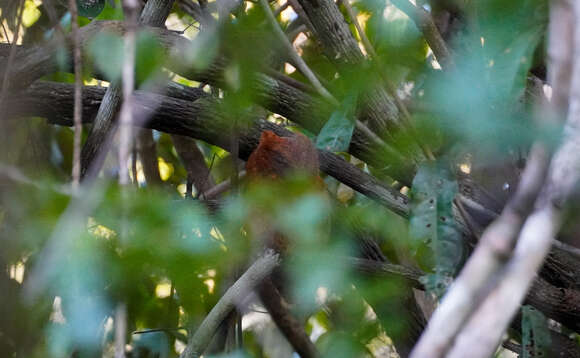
(240,289)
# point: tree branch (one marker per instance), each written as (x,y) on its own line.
(194,163)
(277,96)
(200,119)
(199,341)
(98,140)
(288,324)
(341,47)
(426,25)
(147,150)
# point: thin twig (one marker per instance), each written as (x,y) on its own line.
(301,65)
(120,329)
(567,248)
(220,188)
(426,25)
(78,105)
(131,8)
(234,154)
(5,32)
(134,165)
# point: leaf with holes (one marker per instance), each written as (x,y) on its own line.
(536,339)
(437,240)
(90,8)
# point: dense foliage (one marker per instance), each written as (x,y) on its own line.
(432,102)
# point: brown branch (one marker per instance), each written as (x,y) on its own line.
(194,163)
(147,150)
(200,119)
(340,46)
(382,269)
(390,87)
(286,322)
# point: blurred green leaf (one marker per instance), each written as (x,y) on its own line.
(149,57)
(479,101)
(336,134)
(107,50)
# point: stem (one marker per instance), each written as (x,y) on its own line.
(78,103)
(126,116)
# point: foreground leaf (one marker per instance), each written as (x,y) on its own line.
(432,225)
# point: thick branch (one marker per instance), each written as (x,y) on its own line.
(147,149)
(201,119)
(277,96)
(341,47)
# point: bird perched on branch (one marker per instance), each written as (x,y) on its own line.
(275,159)
(277,156)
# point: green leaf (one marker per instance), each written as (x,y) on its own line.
(536,339)
(336,134)
(113,11)
(106,49)
(432,225)
(149,58)
(90,8)
(492,63)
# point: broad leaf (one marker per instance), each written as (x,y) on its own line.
(433,226)
(336,134)
(106,49)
